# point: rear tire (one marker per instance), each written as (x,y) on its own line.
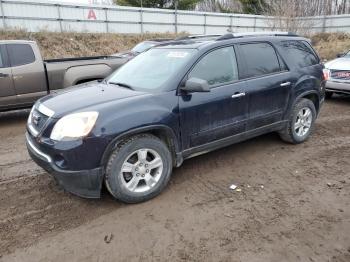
(329,95)
(301,122)
(138,169)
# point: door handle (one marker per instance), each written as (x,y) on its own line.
(235,95)
(285,84)
(3,75)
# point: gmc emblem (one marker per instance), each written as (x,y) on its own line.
(343,74)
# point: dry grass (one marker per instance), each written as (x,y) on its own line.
(328,45)
(58,45)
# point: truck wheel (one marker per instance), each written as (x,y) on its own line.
(329,95)
(138,169)
(301,122)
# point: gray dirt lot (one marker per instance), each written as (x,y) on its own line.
(302,213)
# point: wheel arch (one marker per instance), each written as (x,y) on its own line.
(313,97)
(164,133)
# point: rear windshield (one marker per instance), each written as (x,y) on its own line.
(152,69)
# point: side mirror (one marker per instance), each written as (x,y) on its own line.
(340,55)
(196,85)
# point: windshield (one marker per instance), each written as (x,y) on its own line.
(152,69)
(347,54)
(142,47)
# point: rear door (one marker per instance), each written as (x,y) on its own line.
(220,113)
(28,72)
(268,83)
(7,90)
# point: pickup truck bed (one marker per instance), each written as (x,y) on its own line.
(25,76)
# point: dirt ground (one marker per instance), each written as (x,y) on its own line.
(294,204)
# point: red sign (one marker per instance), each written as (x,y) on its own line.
(91,14)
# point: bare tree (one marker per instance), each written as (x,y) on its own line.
(220,6)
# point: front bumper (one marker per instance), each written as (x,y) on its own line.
(83,183)
(338,87)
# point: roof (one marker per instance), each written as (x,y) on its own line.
(205,40)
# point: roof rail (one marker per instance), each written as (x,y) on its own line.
(197,37)
(252,34)
(160,39)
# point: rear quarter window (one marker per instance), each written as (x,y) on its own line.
(20,54)
(298,53)
(259,59)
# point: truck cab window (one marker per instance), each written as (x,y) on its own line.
(217,67)
(20,54)
(1,61)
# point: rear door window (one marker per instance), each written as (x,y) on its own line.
(20,54)
(217,67)
(298,53)
(259,59)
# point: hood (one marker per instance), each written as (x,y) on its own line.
(80,97)
(342,63)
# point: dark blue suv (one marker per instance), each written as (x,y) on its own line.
(171,103)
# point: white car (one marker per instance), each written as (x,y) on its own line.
(337,74)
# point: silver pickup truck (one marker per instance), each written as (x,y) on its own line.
(25,76)
(337,74)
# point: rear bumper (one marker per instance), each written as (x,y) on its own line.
(83,183)
(338,87)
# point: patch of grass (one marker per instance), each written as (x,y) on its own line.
(328,45)
(59,45)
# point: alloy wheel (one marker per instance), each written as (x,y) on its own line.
(141,170)
(303,122)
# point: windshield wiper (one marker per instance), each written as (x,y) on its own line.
(122,85)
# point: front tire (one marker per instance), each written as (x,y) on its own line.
(138,169)
(301,122)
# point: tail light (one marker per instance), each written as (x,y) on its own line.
(326,74)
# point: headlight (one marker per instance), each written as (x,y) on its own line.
(74,126)
(326,74)
(30,116)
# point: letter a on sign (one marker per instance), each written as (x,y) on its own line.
(91,14)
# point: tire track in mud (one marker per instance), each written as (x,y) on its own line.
(209,187)
(32,206)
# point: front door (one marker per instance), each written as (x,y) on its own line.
(220,113)
(7,90)
(28,73)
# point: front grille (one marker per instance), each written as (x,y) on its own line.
(37,122)
(340,74)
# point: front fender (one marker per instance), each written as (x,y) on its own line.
(151,128)
(152,113)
